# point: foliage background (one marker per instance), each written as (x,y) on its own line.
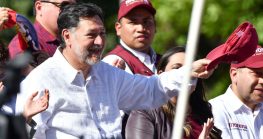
(220,18)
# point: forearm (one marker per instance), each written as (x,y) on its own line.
(171,82)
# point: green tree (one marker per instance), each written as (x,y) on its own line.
(220,18)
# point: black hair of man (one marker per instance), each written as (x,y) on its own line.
(71,14)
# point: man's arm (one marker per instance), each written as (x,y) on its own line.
(139,92)
(27,87)
(111,59)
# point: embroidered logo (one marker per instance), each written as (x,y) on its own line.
(239,33)
(237,126)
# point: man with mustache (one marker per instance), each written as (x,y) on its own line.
(136,29)
(239,112)
(86,94)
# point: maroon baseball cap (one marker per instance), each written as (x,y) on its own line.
(240,45)
(254,61)
(127,5)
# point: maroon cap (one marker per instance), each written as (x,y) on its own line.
(127,5)
(240,45)
(254,61)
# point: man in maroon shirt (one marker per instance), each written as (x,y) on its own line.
(46,14)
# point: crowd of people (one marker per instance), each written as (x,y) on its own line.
(71,91)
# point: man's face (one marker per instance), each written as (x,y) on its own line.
(87,40)
(137,29)
(47,12)
(249,85)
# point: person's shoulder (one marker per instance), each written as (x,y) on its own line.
(102,67)
(110,58)
(102,64)
(44,68)
(218,99)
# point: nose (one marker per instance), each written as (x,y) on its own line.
(99,40)
(260,79)
(141,27)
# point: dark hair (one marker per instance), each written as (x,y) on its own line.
(38,57)
(70,15)
(4,55)
(200,107)
(165,57)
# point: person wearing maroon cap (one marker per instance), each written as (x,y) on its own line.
(136,29)
(239,111)
(46,14)
(86,94)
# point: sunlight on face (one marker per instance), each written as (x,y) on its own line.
(88,40)
(175,61)
(137,29)
(249,84)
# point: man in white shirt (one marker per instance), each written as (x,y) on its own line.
(85,94)
(239,112)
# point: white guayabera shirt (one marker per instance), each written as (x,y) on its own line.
(90,107)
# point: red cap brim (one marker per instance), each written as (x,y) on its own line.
(216,56)
(240,45)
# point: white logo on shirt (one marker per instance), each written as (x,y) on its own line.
(237,126)
(129,2)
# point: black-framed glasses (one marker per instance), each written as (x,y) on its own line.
(56,3)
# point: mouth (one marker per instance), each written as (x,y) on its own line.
(142,37)
(96,49)
(259,90)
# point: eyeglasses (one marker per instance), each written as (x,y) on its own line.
(56,3)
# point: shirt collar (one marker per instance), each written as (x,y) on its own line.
(140,55)
(70,73)
(236,103)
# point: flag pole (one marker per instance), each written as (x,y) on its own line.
(192,40)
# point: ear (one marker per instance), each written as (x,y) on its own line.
(233,74)
(38,6)
(118,28)
(66,36)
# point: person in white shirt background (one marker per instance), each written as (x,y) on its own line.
(85,94)
(239,112)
